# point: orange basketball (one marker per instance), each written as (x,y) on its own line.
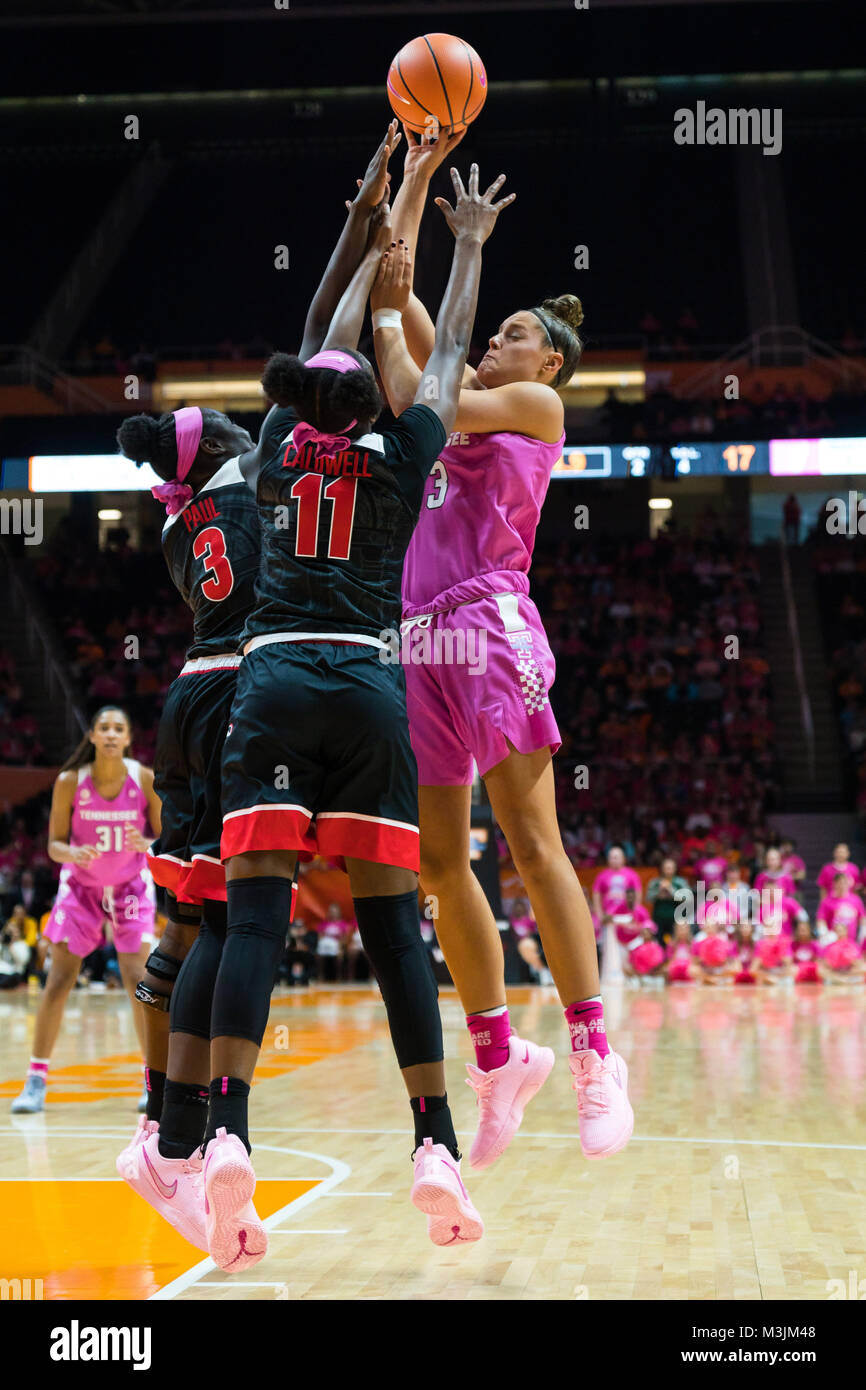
(437,78)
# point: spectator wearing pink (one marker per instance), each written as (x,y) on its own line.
(525,930)
(839,864)
(334,933)
(779,912)
(682,966)
(745,966)
(792,864)
(773,875)
(805,955)
(841,911)
(610,884)
(629,917)
(711,865)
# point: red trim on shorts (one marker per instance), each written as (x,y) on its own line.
(167,870)
(368,837)
(267,827)
(203,879)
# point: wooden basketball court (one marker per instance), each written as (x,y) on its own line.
(745,1179)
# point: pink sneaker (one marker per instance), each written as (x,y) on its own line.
(143,1130)
(604,1113)
(502,1095)
(438,1190)
(172,1186)
(236,1238)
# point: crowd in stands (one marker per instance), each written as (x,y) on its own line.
(777,414)
(117,648)
(661,713)
(712,918)
(840,583)
(19,731)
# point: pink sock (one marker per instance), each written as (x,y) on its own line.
(490,1034)
(38,1067)
(586,1025)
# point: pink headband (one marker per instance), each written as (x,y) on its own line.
(188,423)
(335,359)
(327,445)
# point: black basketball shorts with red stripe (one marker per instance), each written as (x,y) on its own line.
(318,759)
(185,858)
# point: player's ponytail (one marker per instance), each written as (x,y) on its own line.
(321,396)
(85,752)
(561,319)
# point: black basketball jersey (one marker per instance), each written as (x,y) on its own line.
(335,530)
(212,549)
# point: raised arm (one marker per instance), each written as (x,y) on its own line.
(471,221)
(424,155)
(354,240)
(350,249)
(345,326)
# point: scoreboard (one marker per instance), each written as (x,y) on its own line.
(662,460)
(778,458)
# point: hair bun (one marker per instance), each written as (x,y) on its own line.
(138,438)
(566,307)
(283,378)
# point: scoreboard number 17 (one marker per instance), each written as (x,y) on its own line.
(738,457)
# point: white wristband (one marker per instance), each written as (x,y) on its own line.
(387,318)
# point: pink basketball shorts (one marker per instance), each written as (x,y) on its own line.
(477,679)
(81,909)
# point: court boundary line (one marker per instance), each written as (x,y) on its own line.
(195,1275)
(562,1137)
(565,1137)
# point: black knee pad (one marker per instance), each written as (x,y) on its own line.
(162,967)
(258,922)
(192,998)
(391,935)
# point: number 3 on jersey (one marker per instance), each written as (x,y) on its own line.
(440,482)
(210,546)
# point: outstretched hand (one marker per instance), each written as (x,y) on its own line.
(393,284)
(424,153)
(373,188)
(474,214)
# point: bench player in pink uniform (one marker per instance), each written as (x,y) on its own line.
(465,577)
(103,803)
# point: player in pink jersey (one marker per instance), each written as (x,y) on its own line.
(466,588)
(103,803)
(841,911)
(841,863)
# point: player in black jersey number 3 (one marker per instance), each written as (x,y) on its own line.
(318,756)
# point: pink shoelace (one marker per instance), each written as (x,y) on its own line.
(483,1088)
(591,1097)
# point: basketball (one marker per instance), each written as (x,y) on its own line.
(437,78)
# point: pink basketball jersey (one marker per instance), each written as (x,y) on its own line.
(478,519)
(98,822)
